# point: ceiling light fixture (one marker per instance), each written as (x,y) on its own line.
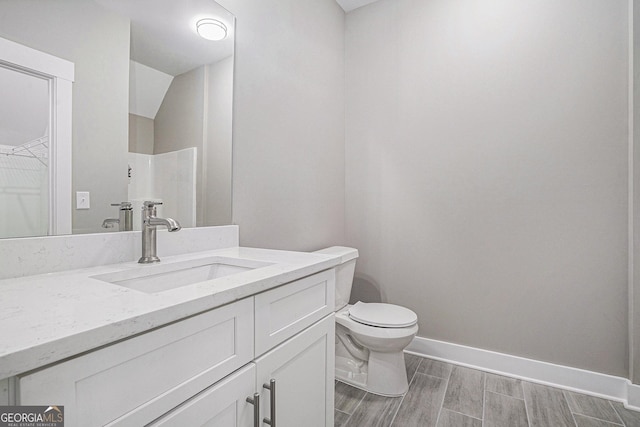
(211,29)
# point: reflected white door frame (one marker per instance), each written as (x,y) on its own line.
(60,73)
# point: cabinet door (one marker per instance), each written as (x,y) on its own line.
(222,405)
(303,370)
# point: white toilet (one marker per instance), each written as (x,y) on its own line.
(370,337)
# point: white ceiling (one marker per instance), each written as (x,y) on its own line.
(163,32)
(349,5)
(147,88)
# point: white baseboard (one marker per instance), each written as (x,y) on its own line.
(565,377)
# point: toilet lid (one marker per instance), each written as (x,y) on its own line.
(382,315)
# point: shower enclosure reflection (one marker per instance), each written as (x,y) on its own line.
(180,142)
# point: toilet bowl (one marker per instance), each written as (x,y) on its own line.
(371,356)
(370,337)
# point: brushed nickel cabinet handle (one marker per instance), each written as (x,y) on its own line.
(255,401)
(272,402)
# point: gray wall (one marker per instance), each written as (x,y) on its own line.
(288,130)
(196,112)
(179,122)
(217,156)
(486,159)
(140,134)
(97,42)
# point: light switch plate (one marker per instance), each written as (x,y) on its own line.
(83,200)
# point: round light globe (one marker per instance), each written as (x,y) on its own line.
(211,29)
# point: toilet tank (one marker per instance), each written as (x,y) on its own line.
(344,272)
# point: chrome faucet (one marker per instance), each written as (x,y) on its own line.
(110,222)
(149,224)
(125,219)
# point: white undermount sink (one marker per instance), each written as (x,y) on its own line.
(157,278)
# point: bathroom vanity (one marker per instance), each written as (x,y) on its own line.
(232,336)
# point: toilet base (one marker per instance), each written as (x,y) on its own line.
(384,374)
(345,374)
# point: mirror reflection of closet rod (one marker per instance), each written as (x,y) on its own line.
(53,149)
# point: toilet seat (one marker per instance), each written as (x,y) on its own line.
(343,319)
(382,315)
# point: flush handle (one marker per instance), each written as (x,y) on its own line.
(255,401)
(272,403)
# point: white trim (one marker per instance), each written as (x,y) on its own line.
(61,158)
(633,397)
(60,73)
(565,377)
(630,195)
(32,59)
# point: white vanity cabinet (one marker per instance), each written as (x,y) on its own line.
(302,366)
(302,369)
(200,370)
(137,380)
(295,341)
(223,404)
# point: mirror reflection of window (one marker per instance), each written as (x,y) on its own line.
(24,154)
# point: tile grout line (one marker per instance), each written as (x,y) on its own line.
(526,410)
(355,408)
(618,414)
(342,412)
(347,421)
(398,408)
(433,376)
(403,396)
(414,373)
(598,419)
(518,381)
(443,396)
(564,396)
(505,395)
(484,394)
(621,423)
(464,415)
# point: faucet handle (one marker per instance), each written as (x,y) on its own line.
(122,205)
(151,203)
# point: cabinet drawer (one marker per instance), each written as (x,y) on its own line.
(223,404)
(133,382)
(284,311)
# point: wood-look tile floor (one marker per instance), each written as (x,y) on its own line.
(445,395)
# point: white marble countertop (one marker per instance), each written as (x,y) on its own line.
(49,317)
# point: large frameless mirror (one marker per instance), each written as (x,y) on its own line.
(151,117)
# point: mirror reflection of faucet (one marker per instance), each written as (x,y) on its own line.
(110,222)
(124,220)
(149,224)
